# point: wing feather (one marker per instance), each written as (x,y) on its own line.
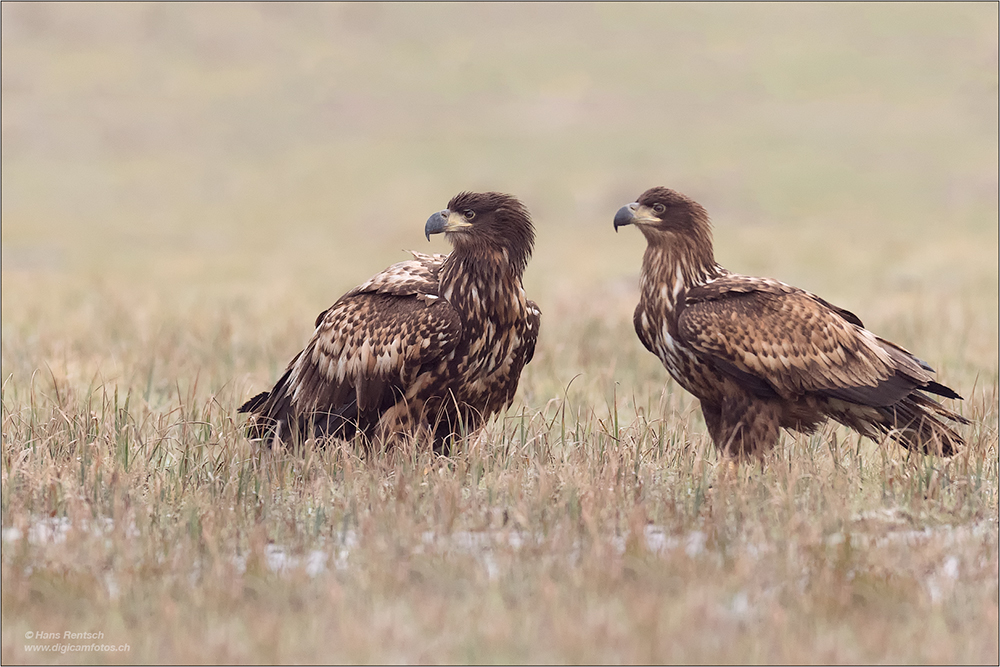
(368,344)
(531,336)
(770,336)
(411,277)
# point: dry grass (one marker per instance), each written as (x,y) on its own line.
(185,187)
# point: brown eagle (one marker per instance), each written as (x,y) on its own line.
(429,348)
(762,355)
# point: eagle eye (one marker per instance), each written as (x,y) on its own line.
(659,208)
(469,214)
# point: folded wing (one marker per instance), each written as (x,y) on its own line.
(777,340)
(366,353)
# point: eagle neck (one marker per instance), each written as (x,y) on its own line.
(479,286)
(670,269)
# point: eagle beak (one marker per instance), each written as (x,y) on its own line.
(634,214)
(445,221)
(625,215)
(436,223)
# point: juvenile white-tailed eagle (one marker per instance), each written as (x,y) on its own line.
(429,348)
(761,355)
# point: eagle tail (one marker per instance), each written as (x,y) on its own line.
(270,413)
(914,422)
(255,403)
(260,426)
(272,417)
(941,390)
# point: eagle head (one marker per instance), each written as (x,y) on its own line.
(486,222)
(660,211)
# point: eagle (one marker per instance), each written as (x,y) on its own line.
(430,348)
(761,355)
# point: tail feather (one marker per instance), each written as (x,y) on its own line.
(272,417)
(941,390)
(268,419)
(914,422)
(269,412)
(255,403)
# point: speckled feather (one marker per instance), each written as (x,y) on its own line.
(761,355)
(816,349)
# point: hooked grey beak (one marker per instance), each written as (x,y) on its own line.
(625,215)
(436,224)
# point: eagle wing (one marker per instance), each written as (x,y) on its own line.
(369,347)
(414,277)
(371,344)
(777,340)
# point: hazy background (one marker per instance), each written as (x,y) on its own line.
(232,157)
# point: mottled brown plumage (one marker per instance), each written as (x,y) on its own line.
(761,355)
(429,348)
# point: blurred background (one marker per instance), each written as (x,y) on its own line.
(169,161)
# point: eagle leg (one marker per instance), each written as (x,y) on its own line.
(742,425)
(404,421)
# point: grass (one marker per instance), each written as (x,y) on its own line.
(185,187)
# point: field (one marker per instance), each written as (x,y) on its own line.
(186,186)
